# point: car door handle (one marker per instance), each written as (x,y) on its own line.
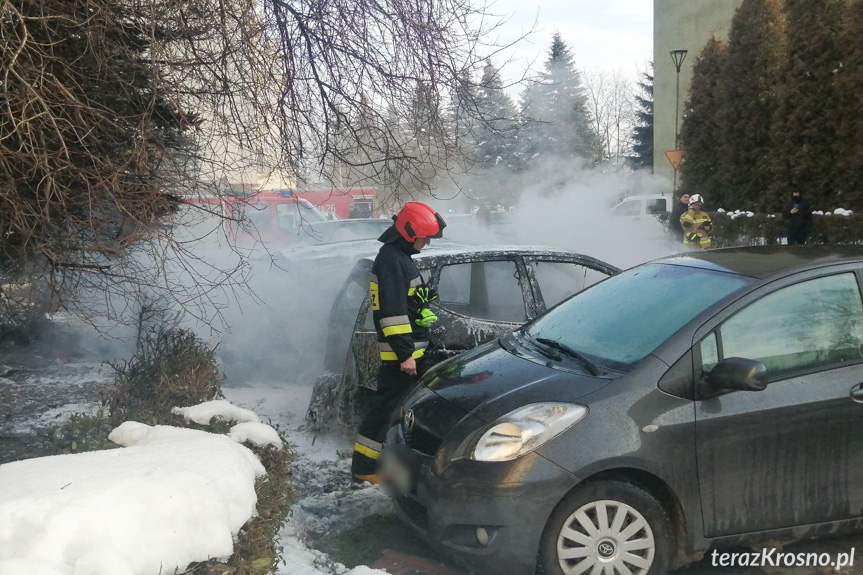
(857,393)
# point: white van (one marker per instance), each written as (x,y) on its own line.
(638,207)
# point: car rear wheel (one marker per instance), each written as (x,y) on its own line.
(607,528)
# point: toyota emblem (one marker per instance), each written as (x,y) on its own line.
(606,549)
(409,420)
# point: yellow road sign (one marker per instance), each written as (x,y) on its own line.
(675,157)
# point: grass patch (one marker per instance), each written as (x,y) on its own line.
(82,432)
(362,544)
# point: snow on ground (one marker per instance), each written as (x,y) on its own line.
(219,408)
(259,434)
(170,497)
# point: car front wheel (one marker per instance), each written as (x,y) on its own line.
(607,528)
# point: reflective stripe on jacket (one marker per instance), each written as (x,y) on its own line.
(694,234)
(394,279)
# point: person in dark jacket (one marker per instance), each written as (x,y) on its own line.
(680,208)
(402,319)
(798,218)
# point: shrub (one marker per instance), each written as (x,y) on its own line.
(763,229)
(172,368)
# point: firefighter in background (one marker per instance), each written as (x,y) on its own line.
(696,224)
(402,319)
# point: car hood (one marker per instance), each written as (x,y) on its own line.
(490,381)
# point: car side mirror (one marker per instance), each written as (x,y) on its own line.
(738,374)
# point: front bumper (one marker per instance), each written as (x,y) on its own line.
(510,500)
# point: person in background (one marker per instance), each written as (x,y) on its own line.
(400,306)
(680,208)
(798,218)
(696,224)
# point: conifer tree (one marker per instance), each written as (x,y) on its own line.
(496,142)
(556,119)
(748,92)
(849,133)
(700,134)
(642,135)
(804,128)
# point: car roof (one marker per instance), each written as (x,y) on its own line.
(444,249)
(333,223)
(646,197)
(765,261)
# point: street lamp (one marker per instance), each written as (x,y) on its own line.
(678,56)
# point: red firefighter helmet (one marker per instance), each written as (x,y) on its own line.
(419,220)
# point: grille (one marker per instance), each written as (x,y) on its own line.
(422,441)
(415,511)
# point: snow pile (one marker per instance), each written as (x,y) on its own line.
(739,214)
(172,496)
(259,434)
(204,412)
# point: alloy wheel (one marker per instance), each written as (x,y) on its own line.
(606,538)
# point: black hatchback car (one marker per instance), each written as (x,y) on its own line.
(704,399)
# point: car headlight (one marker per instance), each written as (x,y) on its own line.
(525,429)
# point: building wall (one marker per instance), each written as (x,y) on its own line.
(680,24)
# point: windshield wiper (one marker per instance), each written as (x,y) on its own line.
(591,367)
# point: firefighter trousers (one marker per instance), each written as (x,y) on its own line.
(393,383)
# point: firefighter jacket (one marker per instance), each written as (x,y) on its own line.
(696,228)
(394,279)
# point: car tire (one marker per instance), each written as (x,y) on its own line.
(635,536)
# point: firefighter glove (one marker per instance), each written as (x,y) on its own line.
(707,228)
(425,294)
(426,317)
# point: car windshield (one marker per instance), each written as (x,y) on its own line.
(626,317)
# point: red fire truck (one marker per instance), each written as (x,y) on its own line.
(271,217)
(343,203)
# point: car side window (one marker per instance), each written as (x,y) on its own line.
(814,324)
(288,218)
(709,353)
(485,290)
(559,280)
(630,208)
(256,216)
(656,206)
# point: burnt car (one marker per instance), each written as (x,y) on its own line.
(706,399)
(483,293)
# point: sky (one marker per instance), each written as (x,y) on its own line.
(610,34)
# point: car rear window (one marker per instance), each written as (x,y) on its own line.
(623,319)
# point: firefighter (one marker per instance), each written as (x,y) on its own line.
(696,224)
(400,306)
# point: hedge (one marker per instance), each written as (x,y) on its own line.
(763,229)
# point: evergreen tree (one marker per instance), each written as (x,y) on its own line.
(496,135)
(642,134)
(748,92)
(700,134)
(849,145)
(557,122)
(804,128)
(462,123)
